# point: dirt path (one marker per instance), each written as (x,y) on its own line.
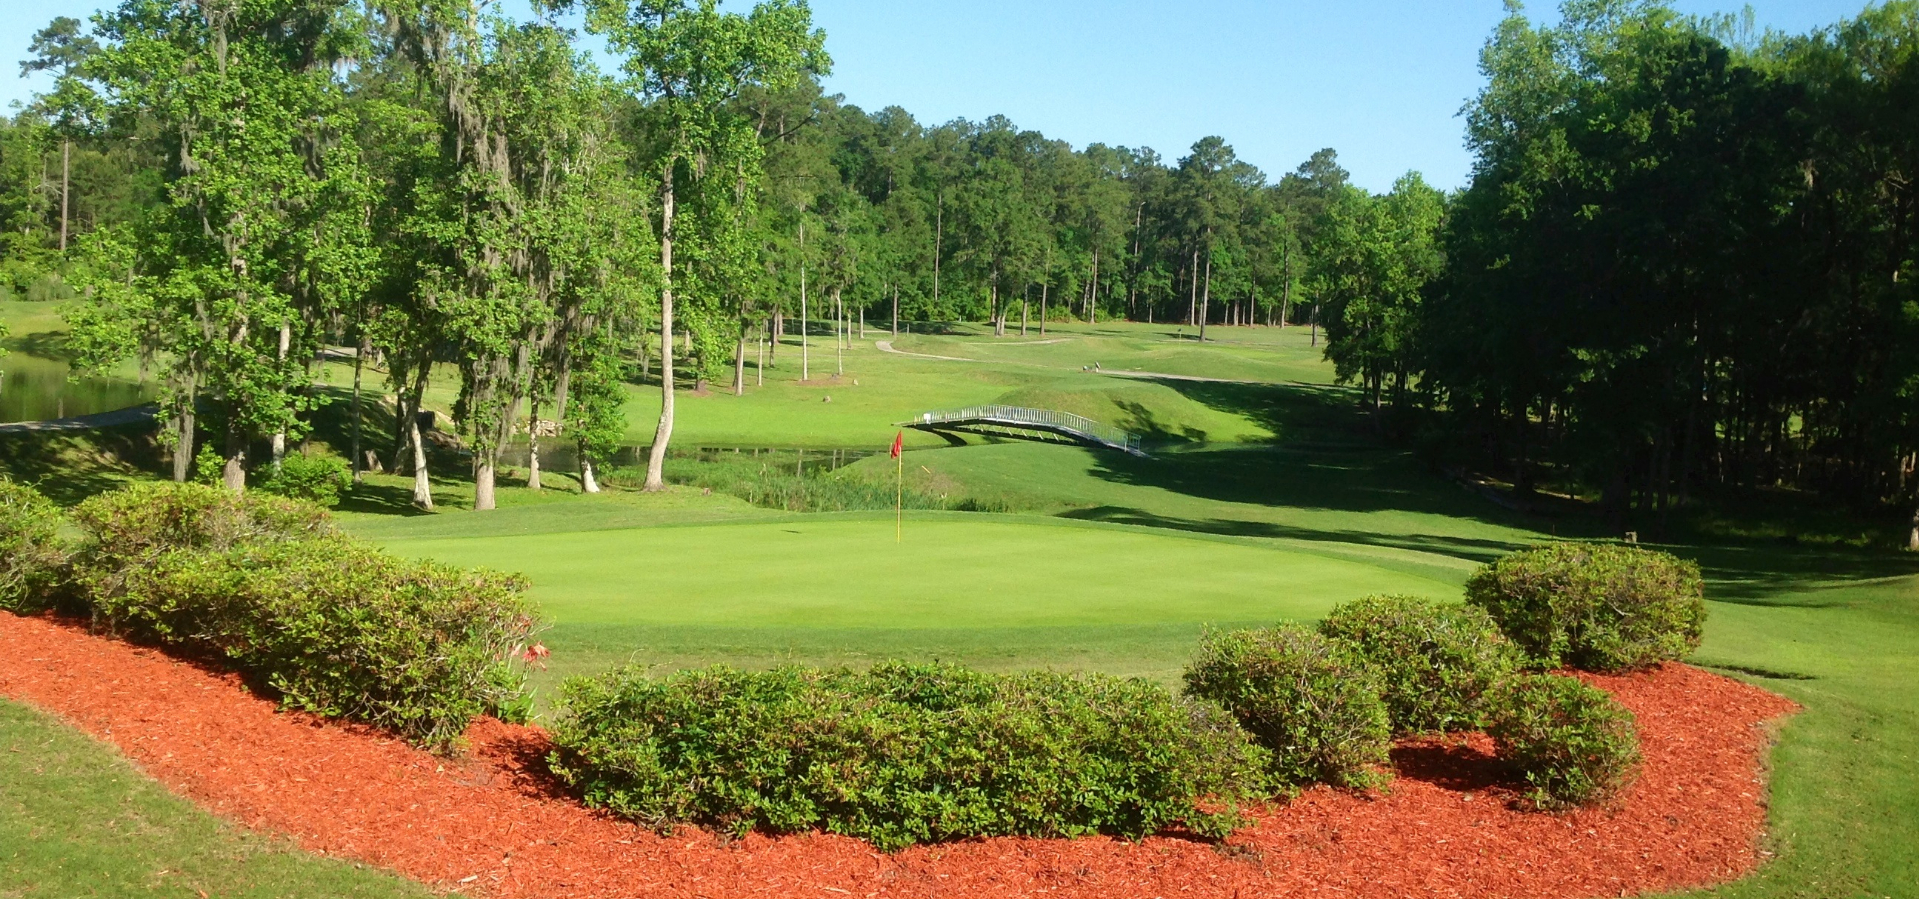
(492,825)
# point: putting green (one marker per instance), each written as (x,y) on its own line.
(948,573)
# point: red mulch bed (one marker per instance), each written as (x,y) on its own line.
(491,825)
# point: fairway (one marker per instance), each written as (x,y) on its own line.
(847,572)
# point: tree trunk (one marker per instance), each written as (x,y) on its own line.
(999,315)
(839,334)
(234,474)
(483,494)
(183,446)
(1043,288)
(533,445)
(739,355)
(588,482)
(896,311)
(422,485)
(359,361)
(1206,298)
(806,361)
(759,361)
(280,436)
(1315,322)
(1912,539)
(1192,299)
(66,163)
(656,454)
(1022,313)
(1092,293)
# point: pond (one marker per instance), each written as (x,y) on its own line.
(33,388)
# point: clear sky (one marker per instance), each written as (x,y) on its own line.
(1381,81)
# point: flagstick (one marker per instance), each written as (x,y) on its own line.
(899,498)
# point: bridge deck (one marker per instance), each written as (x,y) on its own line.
(1019,421)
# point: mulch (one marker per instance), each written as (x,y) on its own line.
(491,824)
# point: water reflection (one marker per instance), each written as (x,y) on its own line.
(33,388)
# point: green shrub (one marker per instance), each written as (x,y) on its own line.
(317,479)
(1311,701)
(335,627)
(1573,744)
(1597,607)
(903,754)
(1436,661)
(33,561)
(341,630)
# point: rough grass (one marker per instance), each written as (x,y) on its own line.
(77,820)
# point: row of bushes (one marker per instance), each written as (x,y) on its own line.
(267,586)
(903,754)
(1327,703)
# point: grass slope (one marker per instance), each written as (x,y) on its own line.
(77,820)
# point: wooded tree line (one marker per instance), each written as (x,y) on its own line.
(237,187)
(1686,258)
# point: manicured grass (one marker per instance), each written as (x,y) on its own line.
(77,820)
(1839,633)
(819,586)
(1222,530)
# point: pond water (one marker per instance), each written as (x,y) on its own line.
(33,388)
(560,454)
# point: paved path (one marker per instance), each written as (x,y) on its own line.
(83,422)
(886,346)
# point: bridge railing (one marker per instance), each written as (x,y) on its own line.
(1021,415)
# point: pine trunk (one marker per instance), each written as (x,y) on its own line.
(1206,298)
(66,165)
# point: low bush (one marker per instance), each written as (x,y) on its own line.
(33,560)
(1436,661)
(903,754)
(1597,607)
(1312,702)
(1572,743)
(335,627)
(317,479)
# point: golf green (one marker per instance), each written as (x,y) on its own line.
(841,572)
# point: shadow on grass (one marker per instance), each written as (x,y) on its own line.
(1470,549)
(69,466)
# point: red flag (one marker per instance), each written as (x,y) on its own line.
(898,441)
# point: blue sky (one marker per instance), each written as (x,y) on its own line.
(1381,81)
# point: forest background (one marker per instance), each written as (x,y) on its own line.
(1683,261)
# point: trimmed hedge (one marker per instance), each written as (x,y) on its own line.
(335,627)
(1436,661)
(1573,744)
(33,560)
(1594,606)
(1313,702)
(903,753)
